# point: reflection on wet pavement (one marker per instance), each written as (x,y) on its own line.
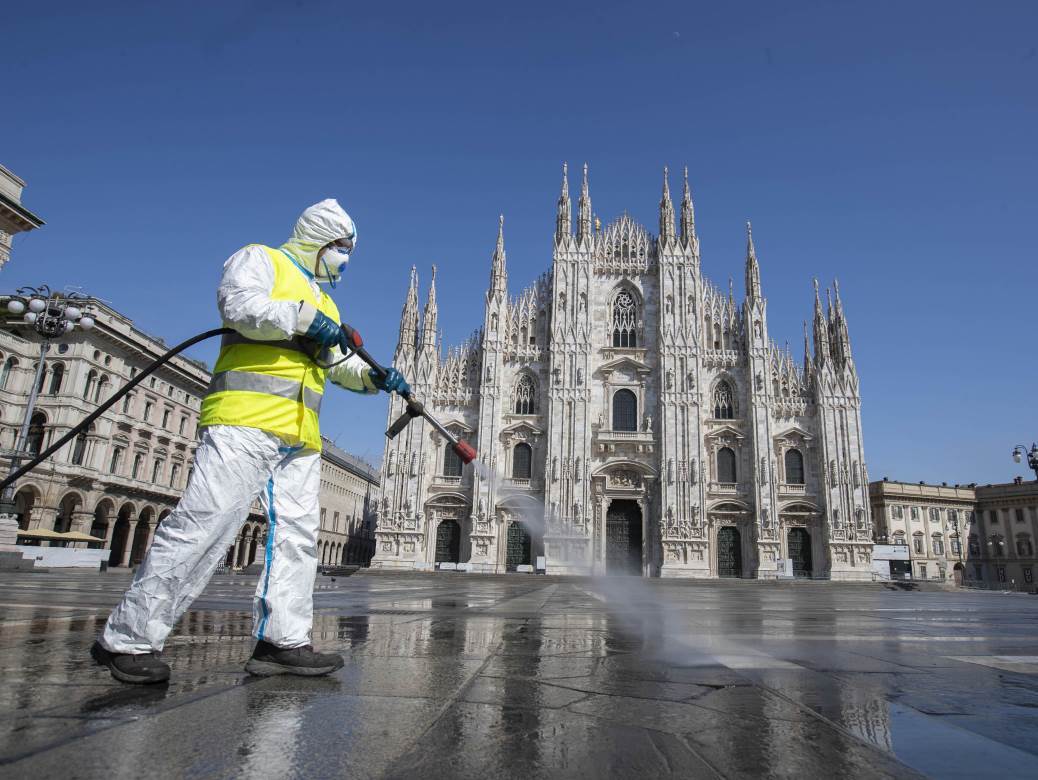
(522,676)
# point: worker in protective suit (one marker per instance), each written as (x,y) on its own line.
(259,438)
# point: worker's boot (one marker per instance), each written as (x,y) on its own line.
(268,659)
(142,668)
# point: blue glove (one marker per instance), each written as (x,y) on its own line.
(392,382)
(325,331)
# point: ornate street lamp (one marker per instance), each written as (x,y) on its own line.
(50,314)
(1032,457)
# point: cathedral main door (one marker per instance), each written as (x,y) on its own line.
(624,538)
(799,542)
(518,553)
(448,542)
(729,552)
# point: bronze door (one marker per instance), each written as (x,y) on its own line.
(518,546)
(729,552)
(624,538)
(799,541)
(448,542)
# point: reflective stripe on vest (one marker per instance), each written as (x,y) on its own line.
(248,382)
(274,386)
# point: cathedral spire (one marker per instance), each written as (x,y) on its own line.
(821,331)
(430,316)
(498,272)
(840,325)
(688,217)
(753,291)
(584,211)
(409,317)
(666,211)
(807,353)
(563,221)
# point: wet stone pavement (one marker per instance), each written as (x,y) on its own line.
(456,675)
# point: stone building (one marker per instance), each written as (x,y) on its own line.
(639,420)
(121,478)
(118,480)
(974,534)
(14,217)
(932,520)
(349,493)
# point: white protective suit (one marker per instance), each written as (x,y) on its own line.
(234,466)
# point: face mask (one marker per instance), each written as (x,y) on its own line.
(334,261)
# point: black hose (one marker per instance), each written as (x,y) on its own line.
(108,404)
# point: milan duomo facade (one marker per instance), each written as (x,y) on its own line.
(641,421)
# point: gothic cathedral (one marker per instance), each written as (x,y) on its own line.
(630,418)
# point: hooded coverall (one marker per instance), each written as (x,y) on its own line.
(256,443)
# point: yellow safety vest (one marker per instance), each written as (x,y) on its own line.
(272,385)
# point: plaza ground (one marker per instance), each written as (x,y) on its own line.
(454,675)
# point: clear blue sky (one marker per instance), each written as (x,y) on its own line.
(892,145)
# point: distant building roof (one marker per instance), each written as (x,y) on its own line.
(351,463)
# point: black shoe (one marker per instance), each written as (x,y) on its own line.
(143,668)
(267,659)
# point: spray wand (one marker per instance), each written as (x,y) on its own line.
(415,408)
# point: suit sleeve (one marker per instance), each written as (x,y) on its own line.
(351,375)
(243,298)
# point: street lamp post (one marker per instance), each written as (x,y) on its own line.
(1032,457)
(50,314)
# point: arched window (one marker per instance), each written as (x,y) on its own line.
(794,467)
(1024,546)
(56,375)
(522,461)
(625,317)
(100,392)
(79,449)
(625,411)
(88,389)
(724,401)
(37,430)
(451,462)
(525,396)
(726,466)
(5,372)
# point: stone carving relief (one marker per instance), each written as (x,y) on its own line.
(625,478)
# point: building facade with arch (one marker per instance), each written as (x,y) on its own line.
(118,480)
(629,417)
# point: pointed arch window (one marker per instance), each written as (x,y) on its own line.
(724,401)
(726,471)
(794,467)
(625,411)
(522,461)
(451,462)
(525,395)
(625,318)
